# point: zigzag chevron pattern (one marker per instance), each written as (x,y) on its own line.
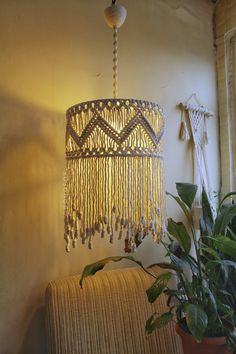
(98,121)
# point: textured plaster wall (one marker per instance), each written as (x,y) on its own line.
(54,54)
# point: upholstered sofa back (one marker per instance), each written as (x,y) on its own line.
(107,316)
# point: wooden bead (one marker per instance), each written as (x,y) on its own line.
(115,15)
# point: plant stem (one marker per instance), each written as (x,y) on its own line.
(197,250)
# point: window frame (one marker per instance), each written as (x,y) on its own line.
(230,65)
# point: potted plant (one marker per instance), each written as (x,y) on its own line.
(202,301)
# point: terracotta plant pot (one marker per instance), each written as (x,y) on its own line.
(215,345)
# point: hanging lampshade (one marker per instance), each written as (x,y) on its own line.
(114,176)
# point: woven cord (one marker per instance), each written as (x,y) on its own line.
(115,62)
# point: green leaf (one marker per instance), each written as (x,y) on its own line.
(196,319)
(93,268)
(218,272)
(226,312)
(231,341)
(192,262)
(226,197)
(211,252)
(158,322)
(182,205)
(174,293)
(203,229)
(230,233)
(223,219)
(207,221)
(158,287)
(233,225)
(187,192)
(226,245)
(164,265)
(211,305)
(179,232)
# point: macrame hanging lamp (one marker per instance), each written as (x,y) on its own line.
(114,175)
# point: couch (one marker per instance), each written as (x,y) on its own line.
(107,316)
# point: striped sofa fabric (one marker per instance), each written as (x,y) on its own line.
(107,316)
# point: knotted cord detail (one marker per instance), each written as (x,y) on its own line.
(114,181)
(115,62)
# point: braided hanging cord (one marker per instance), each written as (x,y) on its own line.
(115,62)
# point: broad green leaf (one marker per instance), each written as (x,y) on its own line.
(196,319)
(187,192)
(226,246)
(203,228)
(179,232)
(93,268)
(231,341)
(164,265)
(182,205)
(192,262)
(228,195)
(218,271)
(233,225)
(158,322)
(211,252)
(207,222)
(223,219)
(158,287)
(211,305)
(227,296)
(230,233)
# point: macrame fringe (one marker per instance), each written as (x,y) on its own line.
(114,177)
(118,198)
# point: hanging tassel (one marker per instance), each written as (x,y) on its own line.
(205,133)
(183,132)
(205,138)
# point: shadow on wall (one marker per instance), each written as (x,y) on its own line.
(33,253)
(31,209)
(36,334)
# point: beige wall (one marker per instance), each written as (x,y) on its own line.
(54,54)
(225,23)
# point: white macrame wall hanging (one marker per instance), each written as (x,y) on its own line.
(194,127)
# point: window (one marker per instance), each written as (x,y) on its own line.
(230,51)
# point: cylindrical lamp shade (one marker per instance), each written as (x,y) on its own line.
(114,176)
